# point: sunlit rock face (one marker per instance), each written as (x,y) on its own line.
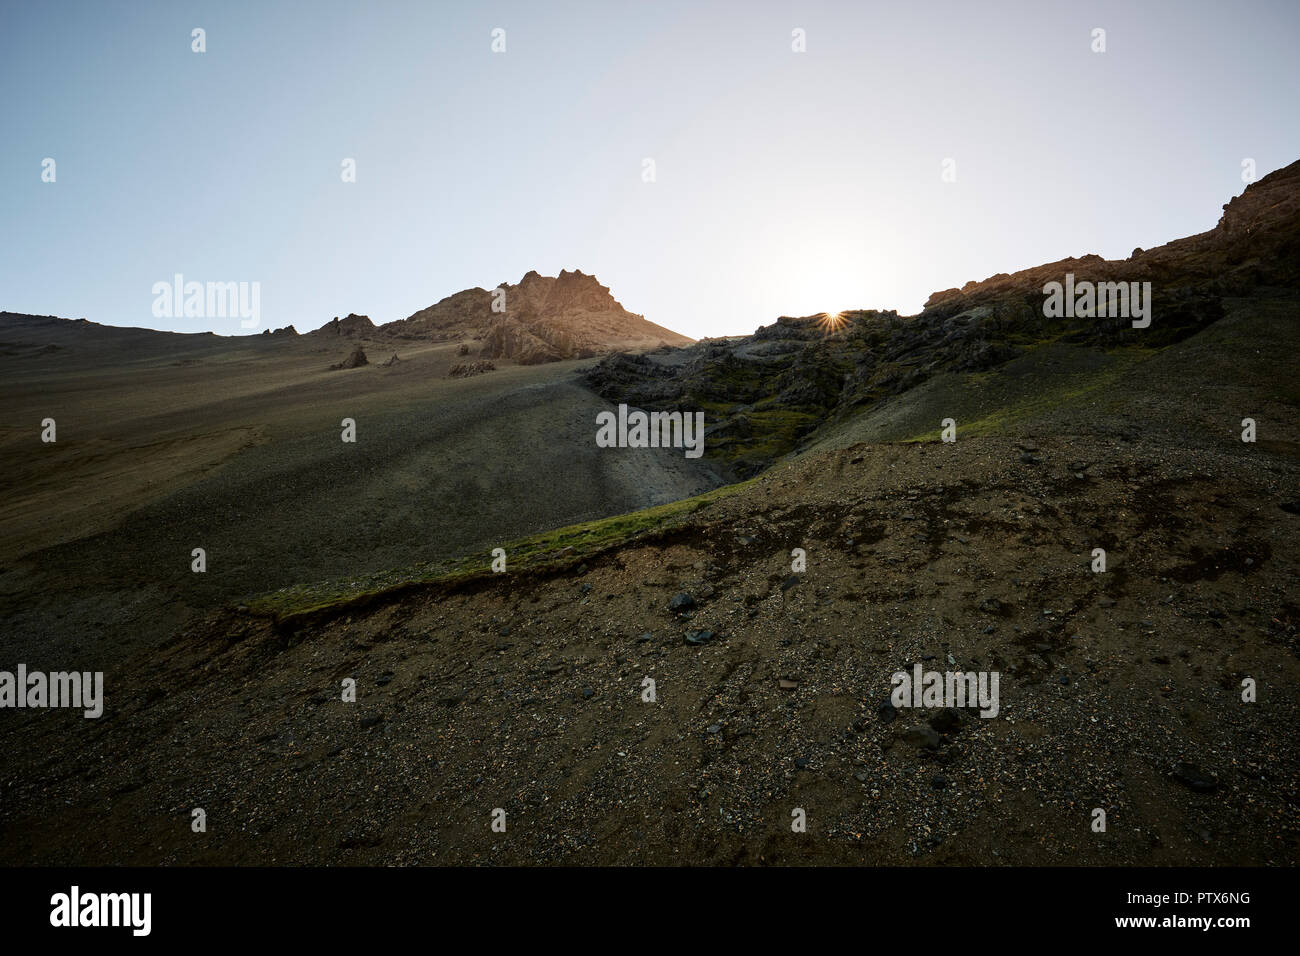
(539,319)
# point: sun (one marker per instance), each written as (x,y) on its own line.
(832,321)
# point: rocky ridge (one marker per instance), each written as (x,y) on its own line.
(764,394)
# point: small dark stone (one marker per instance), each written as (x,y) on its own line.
(696,638)
(789,582)
(887,712)
(588,693)
(371,720)
(939,783)
(801,762)
(681,603)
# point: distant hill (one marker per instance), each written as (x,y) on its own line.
(538,319)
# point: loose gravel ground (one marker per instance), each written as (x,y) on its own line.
(527,695)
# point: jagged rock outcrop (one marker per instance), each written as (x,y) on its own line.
(1255,243)
(510,338)
(354,360)
(354,326)
(538,319)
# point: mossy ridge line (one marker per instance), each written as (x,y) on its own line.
(538,555)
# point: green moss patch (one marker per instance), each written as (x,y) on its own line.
(539,554)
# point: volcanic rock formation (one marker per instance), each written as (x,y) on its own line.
(539,319)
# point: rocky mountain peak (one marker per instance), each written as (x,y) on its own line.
(545,319)
(352,325)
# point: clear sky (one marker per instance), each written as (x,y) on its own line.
(785,183)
